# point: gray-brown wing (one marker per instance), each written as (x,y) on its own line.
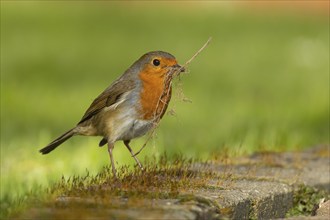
(108,97)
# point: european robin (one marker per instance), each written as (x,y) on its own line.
(130,106)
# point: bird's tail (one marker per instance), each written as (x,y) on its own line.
(50,147)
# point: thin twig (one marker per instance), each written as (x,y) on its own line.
(198,52)
(166,90)
(145,143)
(168,81)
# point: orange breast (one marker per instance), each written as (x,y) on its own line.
(155,94)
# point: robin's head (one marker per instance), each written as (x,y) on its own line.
(159,64)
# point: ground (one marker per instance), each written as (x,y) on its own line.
(262,186)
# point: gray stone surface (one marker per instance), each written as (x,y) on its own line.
(324,209)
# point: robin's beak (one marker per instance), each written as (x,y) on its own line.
(178,67)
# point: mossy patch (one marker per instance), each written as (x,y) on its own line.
(306,200)
(159,179)
(162,179)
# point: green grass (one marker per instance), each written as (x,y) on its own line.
(262,84)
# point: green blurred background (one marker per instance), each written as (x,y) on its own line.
(262,84)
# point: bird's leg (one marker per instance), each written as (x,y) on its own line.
(133,155)
(110,148)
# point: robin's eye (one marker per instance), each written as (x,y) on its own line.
(156,62)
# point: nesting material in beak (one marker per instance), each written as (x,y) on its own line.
(177,69)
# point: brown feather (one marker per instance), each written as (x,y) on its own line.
(107,98)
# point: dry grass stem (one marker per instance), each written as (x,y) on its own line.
(195,55)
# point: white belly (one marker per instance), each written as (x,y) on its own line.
(136,129)
(123,125)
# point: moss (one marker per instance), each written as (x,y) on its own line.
(161,179)
(252,213)
(227,211)
(176,178)
(306,200)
